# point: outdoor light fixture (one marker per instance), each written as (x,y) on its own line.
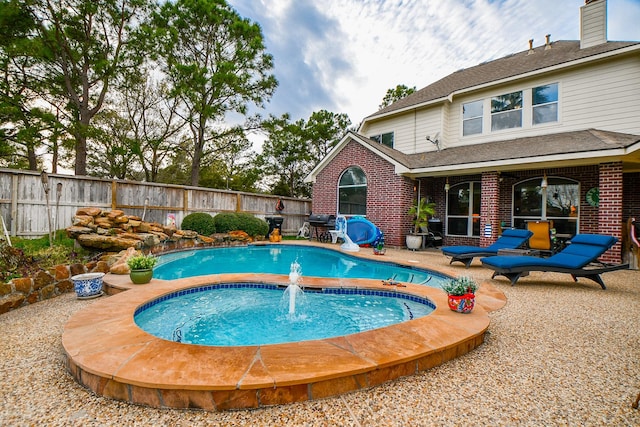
(544,183)
(447,186)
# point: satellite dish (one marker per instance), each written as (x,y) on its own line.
(435,141)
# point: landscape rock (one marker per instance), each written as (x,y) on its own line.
(89,211)
(114,231)
(42,279)
(106,242)
(74,231)
(10,302)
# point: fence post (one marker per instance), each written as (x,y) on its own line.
(114,195)
(14,204)
(185,201)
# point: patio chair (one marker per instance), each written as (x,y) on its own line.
(510,239)
(578,259)
(541,238)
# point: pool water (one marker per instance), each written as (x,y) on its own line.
(272,259)
(256,314)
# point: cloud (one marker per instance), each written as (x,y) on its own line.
(343,55)
(308,53)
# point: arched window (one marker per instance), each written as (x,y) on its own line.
(562,205)
(463,209)
(352,192)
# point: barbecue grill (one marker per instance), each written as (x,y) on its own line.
(323,221)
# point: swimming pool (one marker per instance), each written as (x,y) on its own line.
(277,259)
(237,314)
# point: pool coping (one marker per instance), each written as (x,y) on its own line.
(110,355)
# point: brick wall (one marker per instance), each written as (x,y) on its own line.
(44,284)
(389,196)
(489,207)
(610,209)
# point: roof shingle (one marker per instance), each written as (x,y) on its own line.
(516,64)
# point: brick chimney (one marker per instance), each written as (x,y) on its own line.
(593,23)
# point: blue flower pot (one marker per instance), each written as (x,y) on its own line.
(88,285)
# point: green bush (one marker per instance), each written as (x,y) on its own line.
(252,225)
(231,221)
(200,222)
(226,222)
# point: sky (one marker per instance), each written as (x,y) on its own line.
(343,55)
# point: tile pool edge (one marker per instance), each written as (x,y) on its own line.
(106,352)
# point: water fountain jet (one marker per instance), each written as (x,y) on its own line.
(295,275)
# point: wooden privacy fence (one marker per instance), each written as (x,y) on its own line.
(24,207)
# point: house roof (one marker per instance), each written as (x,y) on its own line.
(577,147)
(583,147)
(528,61)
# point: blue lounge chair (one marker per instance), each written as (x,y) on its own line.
(510,239)
(578,259)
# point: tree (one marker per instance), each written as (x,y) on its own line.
(396,94)
(324,130)
(155,125)
(110,144)
(293,149)
(231,168)
(215,62)
(88,45)
(286,157)
(21,121)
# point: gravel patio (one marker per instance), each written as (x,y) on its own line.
(558,353)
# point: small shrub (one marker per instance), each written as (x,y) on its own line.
(226,222)
(142,262)
(460,286)
(200,222)
(27,256)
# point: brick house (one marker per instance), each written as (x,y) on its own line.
(552,132)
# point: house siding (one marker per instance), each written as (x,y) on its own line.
(604,95)
(388,195)
(410,129)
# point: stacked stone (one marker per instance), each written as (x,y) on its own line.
(114,231)
(44,284)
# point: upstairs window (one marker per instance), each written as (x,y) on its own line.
(472,118)
(384,139)
(545,104)
(352,192)
(506,111)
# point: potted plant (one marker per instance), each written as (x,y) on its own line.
(378,246)
(419,213)
(141,268)
(461,294)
